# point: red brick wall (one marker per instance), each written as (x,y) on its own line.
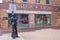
(55,19)
(4,22)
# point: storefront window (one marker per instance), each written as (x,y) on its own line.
(22,19)
(42,19)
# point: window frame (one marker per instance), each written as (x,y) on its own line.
(42,24)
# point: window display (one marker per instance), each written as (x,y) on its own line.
(22,19)
(42,19)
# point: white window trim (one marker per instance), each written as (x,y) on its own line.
(29,12)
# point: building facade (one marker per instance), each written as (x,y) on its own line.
(30,13)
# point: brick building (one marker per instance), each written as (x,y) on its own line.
(30,13)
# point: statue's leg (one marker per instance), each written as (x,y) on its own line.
(16,30)
(13,32)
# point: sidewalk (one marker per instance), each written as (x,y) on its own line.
(8,37)
(42,34)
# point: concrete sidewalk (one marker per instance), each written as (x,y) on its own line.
(44,34)
(8,37)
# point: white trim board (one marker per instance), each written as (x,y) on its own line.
(30,12)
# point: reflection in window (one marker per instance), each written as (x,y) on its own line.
(23,19)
